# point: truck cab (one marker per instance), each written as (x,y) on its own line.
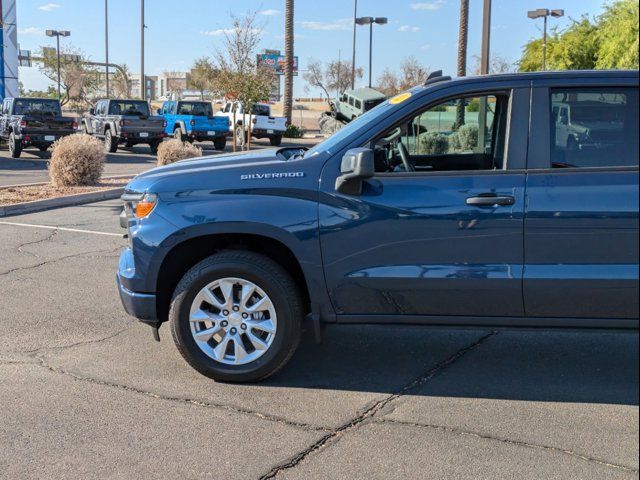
(124,122)
(259,123)
(33,122)
(450,204)
(195,121)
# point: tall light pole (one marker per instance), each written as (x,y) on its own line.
(106,45)
(353,54)
(486,36)
(370,21)
(544,13)
(143,83)
(58,34)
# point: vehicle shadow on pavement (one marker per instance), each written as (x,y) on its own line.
(585,367)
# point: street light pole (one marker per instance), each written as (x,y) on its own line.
(370,21)
(544,13)
(106,45)
(143,83)
(353,55)
(58,34)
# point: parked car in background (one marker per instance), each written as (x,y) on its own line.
(124,122)
(33,122)
(353,103)
(195,121)
(259,124)
(399,217)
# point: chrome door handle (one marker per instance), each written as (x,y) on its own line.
(490,200)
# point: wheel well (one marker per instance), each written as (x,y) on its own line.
(185,255)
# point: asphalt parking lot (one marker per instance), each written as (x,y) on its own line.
(87,393)
(31,167)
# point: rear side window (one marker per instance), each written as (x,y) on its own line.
(594,127)
(358,104)
(351,101)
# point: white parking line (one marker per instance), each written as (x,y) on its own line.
(50,227)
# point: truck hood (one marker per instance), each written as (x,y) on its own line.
(208,167)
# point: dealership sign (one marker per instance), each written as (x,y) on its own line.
(276,62)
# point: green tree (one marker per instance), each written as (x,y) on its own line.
(618,36)
(202,75)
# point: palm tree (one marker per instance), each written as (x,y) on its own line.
(288,55)
(462,55)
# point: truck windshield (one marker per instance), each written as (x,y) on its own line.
(198,109)
(129,107)
(36,106)
(261,110)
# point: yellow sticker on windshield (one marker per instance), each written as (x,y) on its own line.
(401,97)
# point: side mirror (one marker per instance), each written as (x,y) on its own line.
(357,165)
(92,111)
(159,111)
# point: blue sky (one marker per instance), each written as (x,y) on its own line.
(179,32)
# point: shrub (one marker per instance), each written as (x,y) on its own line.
(454,142)
(433,143)
(438,108)
(174,150)
(468,136)
(473,105)
(76,160)
(293,131)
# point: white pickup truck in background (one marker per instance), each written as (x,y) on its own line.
(261,124)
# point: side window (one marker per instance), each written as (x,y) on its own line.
(351,101)
(465,133)
(594,127)
(358,104)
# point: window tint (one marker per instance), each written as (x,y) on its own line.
(129,107)
(358,104)
(261,110)
(460,134)
(351,101)
(200,109)
(594,127)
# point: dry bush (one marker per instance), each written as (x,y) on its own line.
(174,150)
(76,160)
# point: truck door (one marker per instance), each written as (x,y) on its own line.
(581,227)
(439,240)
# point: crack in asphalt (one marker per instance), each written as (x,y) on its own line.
(21,246)
(200,403)
(458,431)
(53,260)
(76,344)
(334,435)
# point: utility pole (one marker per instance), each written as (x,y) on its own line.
(353,55)
(58,34)
(106,45)
(486,38)
(143,83)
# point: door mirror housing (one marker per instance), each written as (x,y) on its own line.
(357,165)
(159,111)
(92,111)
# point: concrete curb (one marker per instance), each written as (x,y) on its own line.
(110,177)
(67,201)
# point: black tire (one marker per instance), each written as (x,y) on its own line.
(110,142)
(43,148)
(273,280)
(275,140)
(220,143)
(154,146)
(15,149)
(178,135)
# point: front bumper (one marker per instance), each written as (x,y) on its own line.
(139,305)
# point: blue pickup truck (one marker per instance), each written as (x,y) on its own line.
(465,202)
(195,121)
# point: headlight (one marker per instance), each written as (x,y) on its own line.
(139,205)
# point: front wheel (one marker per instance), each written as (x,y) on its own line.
(236,316)
(275,140)
(154,146)
(240,136)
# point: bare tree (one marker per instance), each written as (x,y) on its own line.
(202,75)
(497,64)
(413,73)
(240,45)
(121,83)
(388,83)
(288,59)
(335,76)
(79,81)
